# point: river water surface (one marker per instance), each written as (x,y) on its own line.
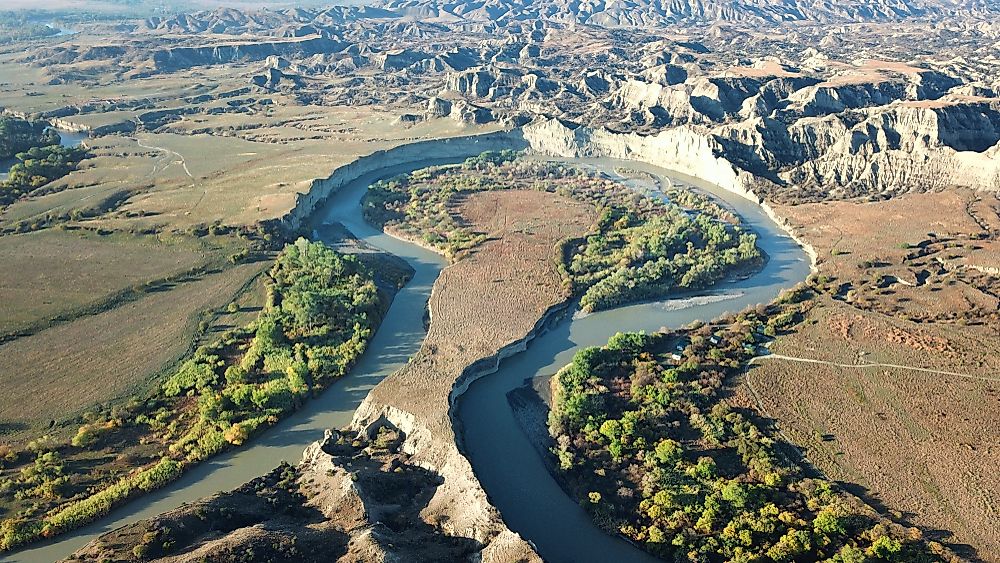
(506,463)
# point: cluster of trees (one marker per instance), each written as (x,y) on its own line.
(693,200)
(636,255)
(20,135)
(646,445)
(39,166)
(321,309)
(40,157)
(643,247)
(320,312)
(418,207)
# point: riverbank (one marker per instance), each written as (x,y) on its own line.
(469,336)
(393,344)
(507,461)
(344,208)
(67,138)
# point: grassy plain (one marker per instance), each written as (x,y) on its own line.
(890,385)
(223,155)
(920,443)
(914,256)
(50,273)
(100,358)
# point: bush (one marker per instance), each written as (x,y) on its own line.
(89,434)
(236,434)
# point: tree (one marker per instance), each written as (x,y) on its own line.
(668,453)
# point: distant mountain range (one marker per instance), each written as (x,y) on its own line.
(652,13)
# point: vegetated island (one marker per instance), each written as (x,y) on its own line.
(321,308)
(40,157)
(647,441)
(642,247)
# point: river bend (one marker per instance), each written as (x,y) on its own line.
(504,460)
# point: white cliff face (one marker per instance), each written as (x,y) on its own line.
(904,148)
(681,149)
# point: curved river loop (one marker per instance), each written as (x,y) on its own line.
(503,458)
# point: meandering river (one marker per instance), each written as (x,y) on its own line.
(509,467)
(507,463)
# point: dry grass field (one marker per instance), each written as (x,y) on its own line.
(919,256)
(103,357)
(176,180)
(51,272)
(921,443)
(891,384)
(224,156)
(490,297)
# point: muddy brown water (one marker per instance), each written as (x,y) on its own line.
(505,461)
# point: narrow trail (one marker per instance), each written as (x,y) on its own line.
(871,365)
(180,158)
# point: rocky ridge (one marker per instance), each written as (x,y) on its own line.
(867,117)
(860,112)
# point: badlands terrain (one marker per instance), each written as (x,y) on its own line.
(215,138)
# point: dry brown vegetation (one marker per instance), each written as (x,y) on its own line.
(222,154)
(918,256)
(890,385)
(492,296)
(49,272)
(920,443)
(102,357)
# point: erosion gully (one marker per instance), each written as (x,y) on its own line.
(504,459)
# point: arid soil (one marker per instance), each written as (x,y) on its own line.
(348,500)
(891,384)
(926,257)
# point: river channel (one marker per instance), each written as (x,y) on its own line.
(507,464)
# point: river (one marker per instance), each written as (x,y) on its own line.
(507,464)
